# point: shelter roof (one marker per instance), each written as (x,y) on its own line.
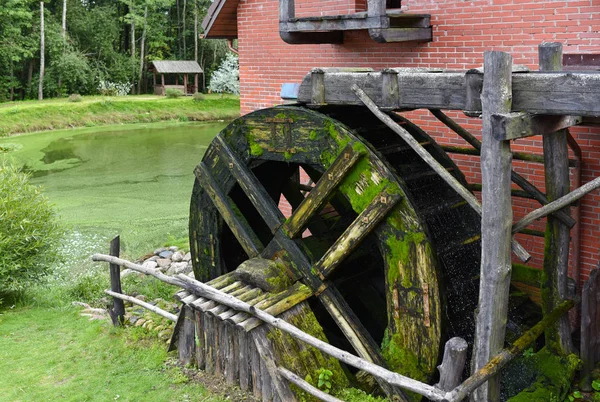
(175,67)
(221,20)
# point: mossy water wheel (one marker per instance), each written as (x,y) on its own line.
(388,250)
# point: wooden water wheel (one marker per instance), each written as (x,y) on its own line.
(389,253)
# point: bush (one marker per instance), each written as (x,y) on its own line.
(227,78)
(75,98)
(198,97)
(173,93)
(29,233)
(108,88)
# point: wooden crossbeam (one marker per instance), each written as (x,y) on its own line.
(512,126)
(251,186)
(237,223)
(364,224)
(552,93)
(316,199)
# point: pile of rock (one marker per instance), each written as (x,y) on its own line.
(168,260)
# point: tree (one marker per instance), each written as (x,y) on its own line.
(227,77)
(42,51)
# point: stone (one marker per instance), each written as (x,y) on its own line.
(177,256)
(153,258)
(150,264)
(163,262)
(165,254)
(264,274)
(187,256)
(159,250)
(173,248)
(178,268)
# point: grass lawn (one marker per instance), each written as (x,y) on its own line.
(55,355)
(52,114)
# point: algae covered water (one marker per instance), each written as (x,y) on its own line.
(133,181)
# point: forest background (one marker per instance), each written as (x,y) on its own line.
(61,47)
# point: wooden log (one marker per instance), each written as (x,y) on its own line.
(506,355)
(118,313)
(496,221)
(244,357)
(556,251)
(589,330)
(200,341)
(315,200)
(364,224)
(154,309)
(232,362)
(299,382)
(453,363)
(514,176)
(253,188)
(264,347)
(187,337)
(237,223)
(432,162)
(210,345)
(556,204)
(390,377)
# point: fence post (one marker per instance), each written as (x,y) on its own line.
(115,283)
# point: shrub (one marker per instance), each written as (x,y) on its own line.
(173,93)
(108,88)
(29,232)
(75,98)
(198,97)
(227,78)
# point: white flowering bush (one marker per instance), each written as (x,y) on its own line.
(108,88)
(227,77)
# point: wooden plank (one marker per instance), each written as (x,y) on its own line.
(280,387)
(244,357)
(251,186)
(200,341)
(589,330)
(388,35)
(187,337)
(318,196)
(326,23)
(211,343)
(556,251)
(362,226)
(255,367)
(512,126)
(237,223)
(541,93)
(432,162)
(496,220)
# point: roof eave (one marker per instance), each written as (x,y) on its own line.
(212,15)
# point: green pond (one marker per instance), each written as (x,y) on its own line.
(133,181)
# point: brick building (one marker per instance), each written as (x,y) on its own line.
(460,33)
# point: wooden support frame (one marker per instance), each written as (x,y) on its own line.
(513,126)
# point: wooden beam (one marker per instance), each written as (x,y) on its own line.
(300,383)
(186,345)
(556,251)
(453,364)
(561,93)
(513,126)
(364,224)
(251,186)
(556,204)
(235,221)
(148,306)
(309,38)
(514,176)
(432,162)
(496,222)
(118,313)
(589,329)
(316,199)
(387,35)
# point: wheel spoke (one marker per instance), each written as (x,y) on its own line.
(291,192)
(368,219)
(226,207)
(253,188)
(317,197)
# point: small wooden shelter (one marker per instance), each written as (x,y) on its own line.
(176,68)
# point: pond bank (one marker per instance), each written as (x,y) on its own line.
(92,111)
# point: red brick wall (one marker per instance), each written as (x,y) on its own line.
(462,31)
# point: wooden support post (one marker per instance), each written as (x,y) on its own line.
(453,364)
(589,329)
(154,81)
(556,255)
(196,89)
(200,341)
(496,221)
(176,79)
(118,313)
(185,84)
(187,337)
(162,83)
(390,92)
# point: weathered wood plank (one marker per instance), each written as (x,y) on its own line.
(316,199)
(496,221)
(187,337)
(364,224)
(200,341)
(556,251)
(408,34)
(236,222)
(118,313)
(589,329)
(244,356)
(264,347)
(513,126)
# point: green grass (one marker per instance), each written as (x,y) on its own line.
(53,114)
(51,355)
